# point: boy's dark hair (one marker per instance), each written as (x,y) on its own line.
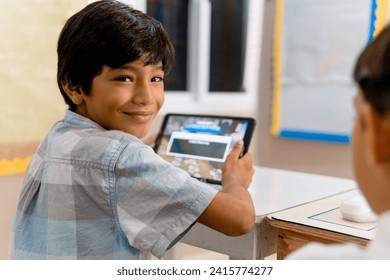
(372,72)
(108,33)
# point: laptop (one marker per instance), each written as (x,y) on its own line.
(199,144)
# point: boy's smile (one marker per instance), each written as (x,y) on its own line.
(125,98)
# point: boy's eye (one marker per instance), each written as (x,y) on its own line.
(124,79)
(157,79)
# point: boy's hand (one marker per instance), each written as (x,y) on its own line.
(231,211)
(238,170)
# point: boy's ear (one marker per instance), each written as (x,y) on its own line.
(378,133)
(74,93)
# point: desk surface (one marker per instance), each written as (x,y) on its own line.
(318,221)
(272,190)
(325,215)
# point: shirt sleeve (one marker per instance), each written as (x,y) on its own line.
(156,202)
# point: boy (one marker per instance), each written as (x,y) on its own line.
(371,152)
(93,190)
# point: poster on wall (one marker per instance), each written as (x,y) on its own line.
(316,44)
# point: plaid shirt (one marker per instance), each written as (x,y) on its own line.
(90,193)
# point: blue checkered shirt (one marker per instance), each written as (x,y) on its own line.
(91,193)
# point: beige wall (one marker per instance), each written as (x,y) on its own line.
(9,193)
(30,101)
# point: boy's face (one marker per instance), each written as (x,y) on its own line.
(126,98)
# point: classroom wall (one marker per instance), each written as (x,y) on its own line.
(30,101)
(297,155)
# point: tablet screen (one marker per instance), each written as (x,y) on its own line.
(200,144)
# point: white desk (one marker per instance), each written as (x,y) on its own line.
(272,190)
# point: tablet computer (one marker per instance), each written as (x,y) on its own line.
(199,144)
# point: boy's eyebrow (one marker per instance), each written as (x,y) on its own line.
(130,67)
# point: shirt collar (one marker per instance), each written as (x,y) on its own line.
(79,120)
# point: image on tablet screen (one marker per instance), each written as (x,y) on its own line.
(200,145)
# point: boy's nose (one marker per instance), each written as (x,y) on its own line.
(143,94)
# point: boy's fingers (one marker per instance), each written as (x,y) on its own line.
(237,149)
